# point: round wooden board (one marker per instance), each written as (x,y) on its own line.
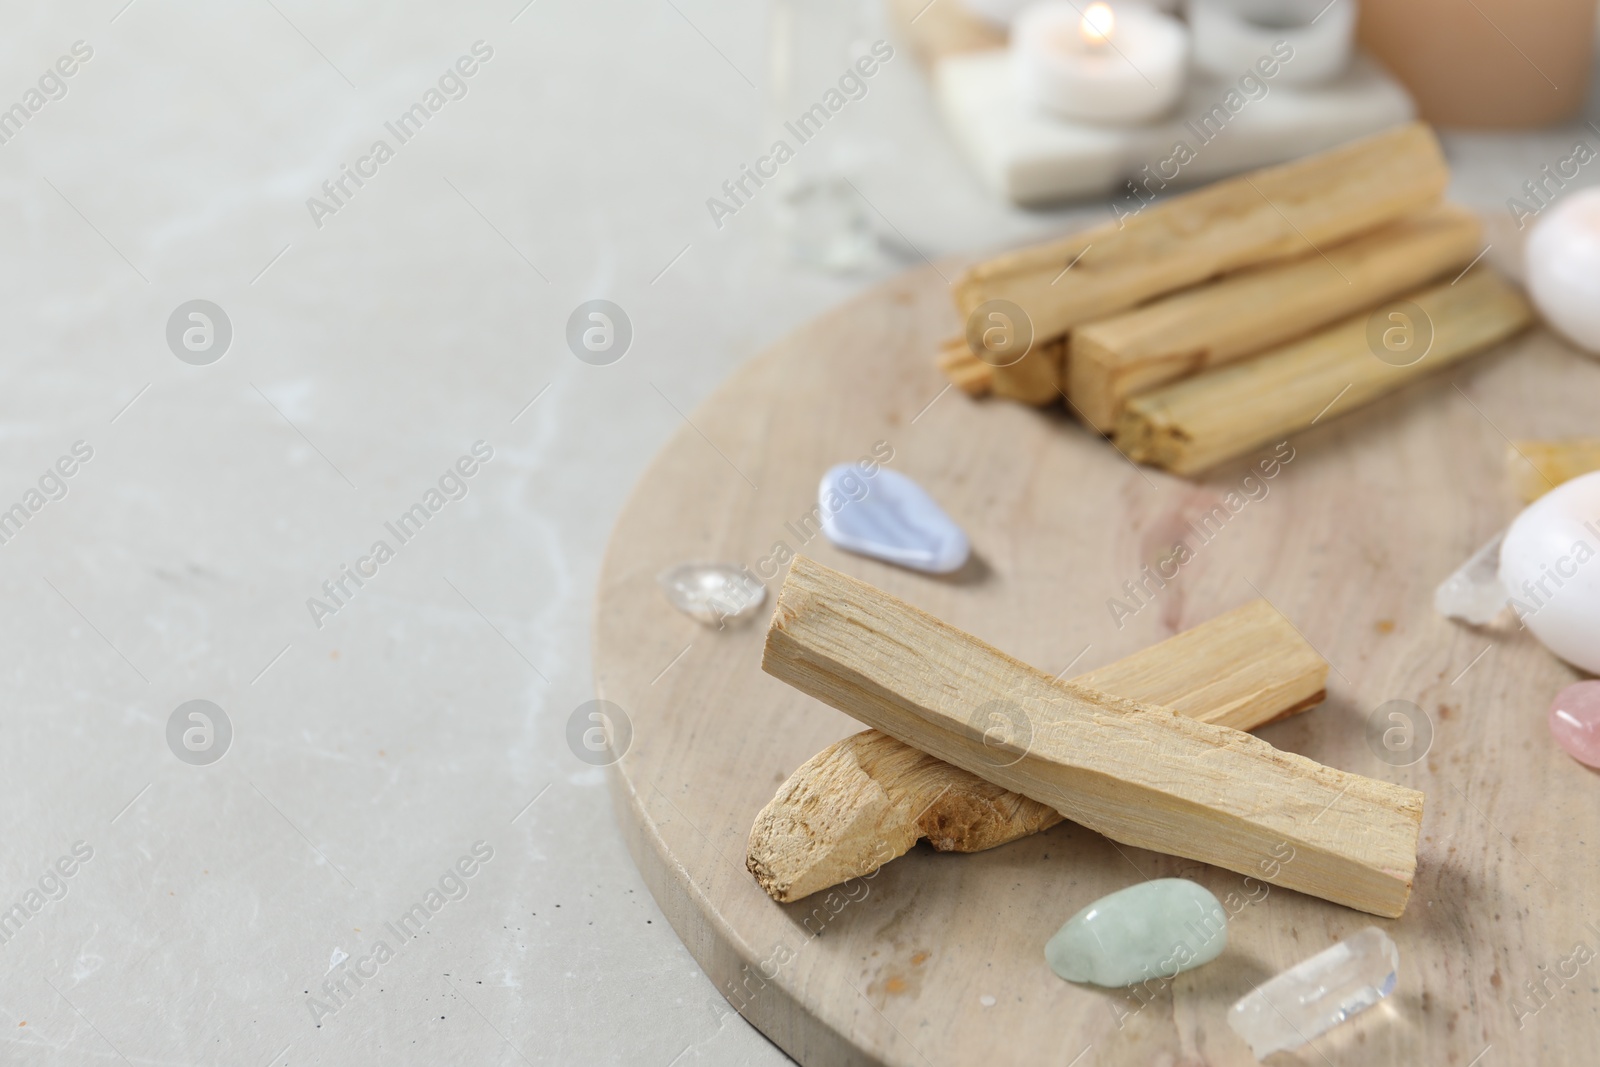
(938,958)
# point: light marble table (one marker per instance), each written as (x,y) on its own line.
(375,745)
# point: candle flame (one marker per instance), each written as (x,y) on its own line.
(1097,23)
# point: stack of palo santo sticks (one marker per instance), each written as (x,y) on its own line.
(1215,321)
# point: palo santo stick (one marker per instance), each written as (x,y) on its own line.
(1036,378)
(966,371)
(1042,374)
(1553,462)
(1248,312)
(1243,669)
(1278,213)
(1201,421)
(1140,774)
(865,800)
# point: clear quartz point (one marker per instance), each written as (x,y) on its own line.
(1474,593)
(712,593)
(1314,996)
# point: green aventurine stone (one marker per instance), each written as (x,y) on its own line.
(1151,930)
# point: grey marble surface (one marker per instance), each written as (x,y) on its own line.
(423,715)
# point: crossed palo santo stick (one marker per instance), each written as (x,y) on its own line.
(1139,773)
(868,798)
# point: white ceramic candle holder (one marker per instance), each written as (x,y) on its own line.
(996,12)
(1231,36)
(1003,13)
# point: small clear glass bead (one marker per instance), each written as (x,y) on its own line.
(712,593)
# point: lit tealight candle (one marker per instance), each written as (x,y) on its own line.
(1104,64)
(1563,260)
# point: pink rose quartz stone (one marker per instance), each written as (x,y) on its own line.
(1575,721)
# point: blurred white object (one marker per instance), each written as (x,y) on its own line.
(1546,566)
(1313,39)
(1550,570)
(997,12)
(1034,158)
(826,56)
(1563,267)
(826,224)
(1099,63)
(1003,13)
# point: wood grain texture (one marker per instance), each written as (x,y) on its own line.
(1199,422)
(1347,541)
(867,799)
(1266,216)
(1245,668)
(1248,312)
